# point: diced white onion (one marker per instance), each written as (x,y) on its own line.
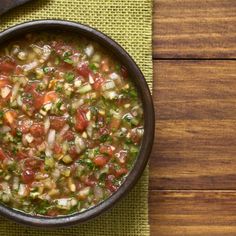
(63,130)
(91,80)
(46,52)
(30,66)
(79,144)
(51,138)
(110,94)
(46,124)
(77,83)
(15,183)
(29,138)
(88,115)
(90,130)
(15,91)
(89,50)
(48,152)
(109,84)
(19,101)
(5,91)
(114,76)
(22,189)
(48,106)
(77,103)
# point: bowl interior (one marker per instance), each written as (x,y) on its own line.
(149,123)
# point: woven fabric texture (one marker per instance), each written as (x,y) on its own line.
(129,23)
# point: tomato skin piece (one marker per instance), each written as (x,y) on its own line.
(124,72)
(7,66)
(38,102)
(57,122)
(50,97)
(73,153)
(106,149)
(100,160)
(98,83)
(121,171)
(83,70)
(37,129)
(81,122)
(52,212)
(21,155)
(4,83)
(69,136)
(28,176)
(9,117)
(2,154)
(109,185)
(57,148)
(91,181)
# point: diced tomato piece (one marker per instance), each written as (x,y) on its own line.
(57,148)
(98,82)
(10,116)
(37,129)
(53,212)
(109,184)
(4,83)
(81,122)
(73,153)
(7,66)
(50,97)
(121,171)
(100,160)
(57,122)
(38,101)
(2,154)
(21,155)
(28,176)
(106,149)
(69,136)
(83,70)
(124,72)
(32,163)
(115,123)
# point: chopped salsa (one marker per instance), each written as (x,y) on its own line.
(71,124)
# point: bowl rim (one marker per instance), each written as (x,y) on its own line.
(149,122)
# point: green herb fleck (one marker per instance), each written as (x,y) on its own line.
(69,77)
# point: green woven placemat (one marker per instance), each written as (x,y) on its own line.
(129,23)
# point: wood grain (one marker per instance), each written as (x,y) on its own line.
(195,144)
(194,29)
(198,213)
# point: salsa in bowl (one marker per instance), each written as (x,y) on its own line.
(74,115)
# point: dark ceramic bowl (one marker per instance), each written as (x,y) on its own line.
(149,122)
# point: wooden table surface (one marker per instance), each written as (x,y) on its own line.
(193,163)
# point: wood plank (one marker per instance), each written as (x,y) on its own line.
(194,29)
(199,213)
(195,144)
